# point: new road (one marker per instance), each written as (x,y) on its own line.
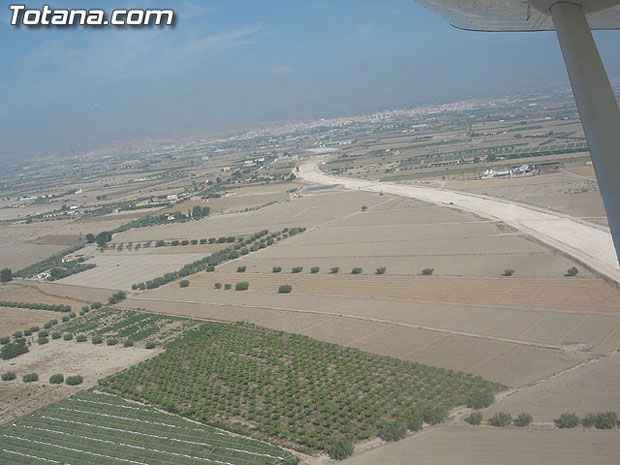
(590,244)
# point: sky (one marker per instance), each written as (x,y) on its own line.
(252,61)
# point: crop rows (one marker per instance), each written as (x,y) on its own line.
(289,388)
(95,428)
(128,325)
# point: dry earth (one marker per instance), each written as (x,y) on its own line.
(90,361)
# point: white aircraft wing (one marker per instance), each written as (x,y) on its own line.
(518,15)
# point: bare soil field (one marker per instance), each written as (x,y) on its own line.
(592,388)
(567,192)
(64,291)
(498,360)
(18,319)
(558,294)
(117,271)
(67,357)
(308,211)
(468,445)
(407,239)
(27,291)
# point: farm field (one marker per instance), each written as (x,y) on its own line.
(17,319)
(95,428)
(556,294)
(116,271)
(25,291)
(513,346)
(468,445)
(567,191)
(307,211)
(58,356)
(138,328)
(408,238)
(593,388)
(292,389)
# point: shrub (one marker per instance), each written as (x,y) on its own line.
(5,340)
(210,268)
(47,325)
(589,420)
(524,419)
(341,449)
(184,283)
(334,270)
(30,377)
(241,269)
(276,269)
(567,420)
(96,339)
(314,269)
(80,338)
(242,286)
(572,271)
(356,270)
(227,287)
(117,297)
(297,269)
(74,380)
(217,286)
(17,334)
(128,343)
(151,345)
(509,272)
(414,423)
(27,332)
(435,415)
(8,376)
(58,378)
(95,305)
(42,340)
(606,420)
(474,419)
(111,341)
(65,318)
(68,337)
(13,349)
(481,399)
(43,333)
(85,308)
(285,289)
(364,208)
(428,271)
(56,335)
(393,431)
(500,419)
(381,270)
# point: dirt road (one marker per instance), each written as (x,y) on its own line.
(591,244)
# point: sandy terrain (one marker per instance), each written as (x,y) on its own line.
(589,244)
(68,357)
(467,445)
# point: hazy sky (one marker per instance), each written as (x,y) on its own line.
(257,60)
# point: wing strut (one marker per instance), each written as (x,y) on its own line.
(596,103)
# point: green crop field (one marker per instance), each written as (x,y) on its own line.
(288,388)
(101,429)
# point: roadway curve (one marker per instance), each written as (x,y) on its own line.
(589,244)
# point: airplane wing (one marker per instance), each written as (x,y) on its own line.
(517,15)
